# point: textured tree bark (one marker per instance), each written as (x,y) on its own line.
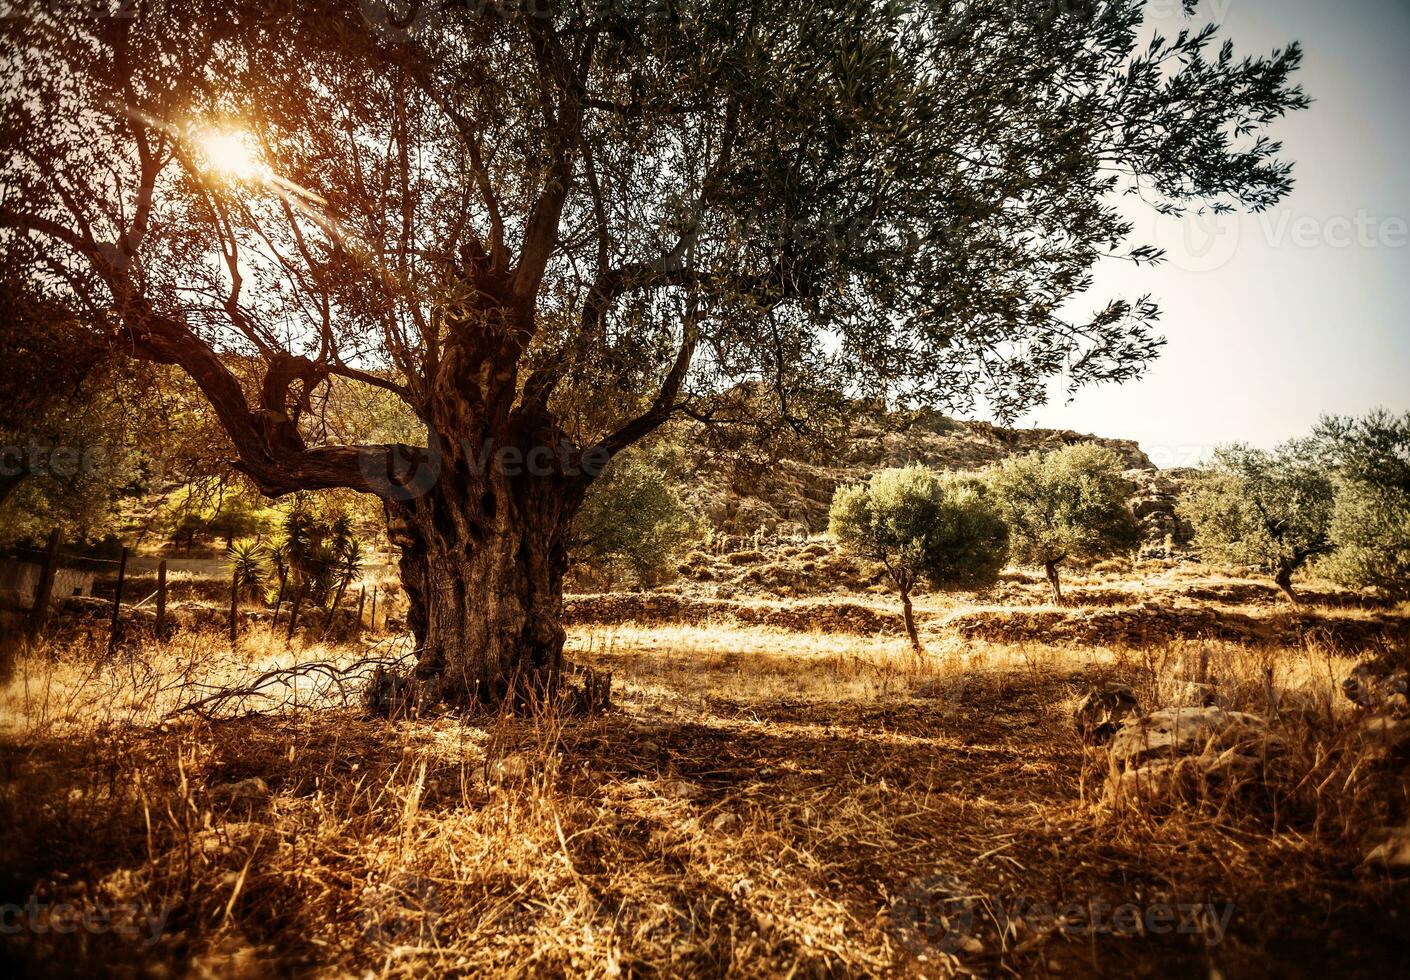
(909,616)
(1053,584)
(483,556)
(1284,579)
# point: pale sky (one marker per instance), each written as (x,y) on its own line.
(1274,319)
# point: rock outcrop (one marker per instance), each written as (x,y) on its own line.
(790,496)
(1188,752)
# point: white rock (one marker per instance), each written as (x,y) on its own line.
(1172,732)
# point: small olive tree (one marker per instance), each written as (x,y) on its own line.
(1068,504)
(1267,508)
(1370,525)
(632,524)
(922,525)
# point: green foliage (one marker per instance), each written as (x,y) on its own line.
(1370,526)
(68,455)
(1070,504)
(323,555)
(1373,450)
(1370,529)
(240,515)
(923,525)
(633,526)
(213,507)
(249,562)
(901,199)
(1256,507)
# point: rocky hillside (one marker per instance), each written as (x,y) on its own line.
(790,497)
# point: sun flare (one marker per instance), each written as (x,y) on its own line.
(232,154)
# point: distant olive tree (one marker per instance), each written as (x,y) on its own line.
(922,525)
(1370,525)
(632,525)
(1067,505)
(1373,449)
(1370,529)
(1267,508)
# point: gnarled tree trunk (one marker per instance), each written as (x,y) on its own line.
(1054,584)
(482,562)
(482,523)
(1284,578)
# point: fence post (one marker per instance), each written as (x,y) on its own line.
(294,613)
(278,601)
(234,600)
(44,592)
(161,600)
(372,623)
(361,602)
(117,602)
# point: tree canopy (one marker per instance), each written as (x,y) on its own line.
(899,197)
(1267,508)
(1068,504)
(922,526)
(548,228)
(1370,525)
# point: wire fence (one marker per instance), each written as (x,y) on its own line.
(34,581)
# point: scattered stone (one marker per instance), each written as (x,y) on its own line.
(1172,732)
(1100,713)
(247,791)
(1201,694)
(1388,848)
(679,789)
(1378,684)
(1383,736)
(1187,751)
(1166,778)
(511,768)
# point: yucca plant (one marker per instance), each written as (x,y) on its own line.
(349,566)
(278,585)
(249,562)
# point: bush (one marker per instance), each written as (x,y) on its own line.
(1065,505)
(1370,524)
(919,525)
(1370,528)
(632,526)
(1270,509)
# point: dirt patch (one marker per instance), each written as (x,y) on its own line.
(1155,624)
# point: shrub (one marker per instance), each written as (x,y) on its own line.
(1066,505)
(1271,509)
(922,525)
(1370,528)
(1370,525)
(249,562)
(632,526)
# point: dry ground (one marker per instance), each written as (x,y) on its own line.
(762,801)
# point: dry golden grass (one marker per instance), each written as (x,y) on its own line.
(760,802)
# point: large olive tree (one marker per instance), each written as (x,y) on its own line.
(551,226)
